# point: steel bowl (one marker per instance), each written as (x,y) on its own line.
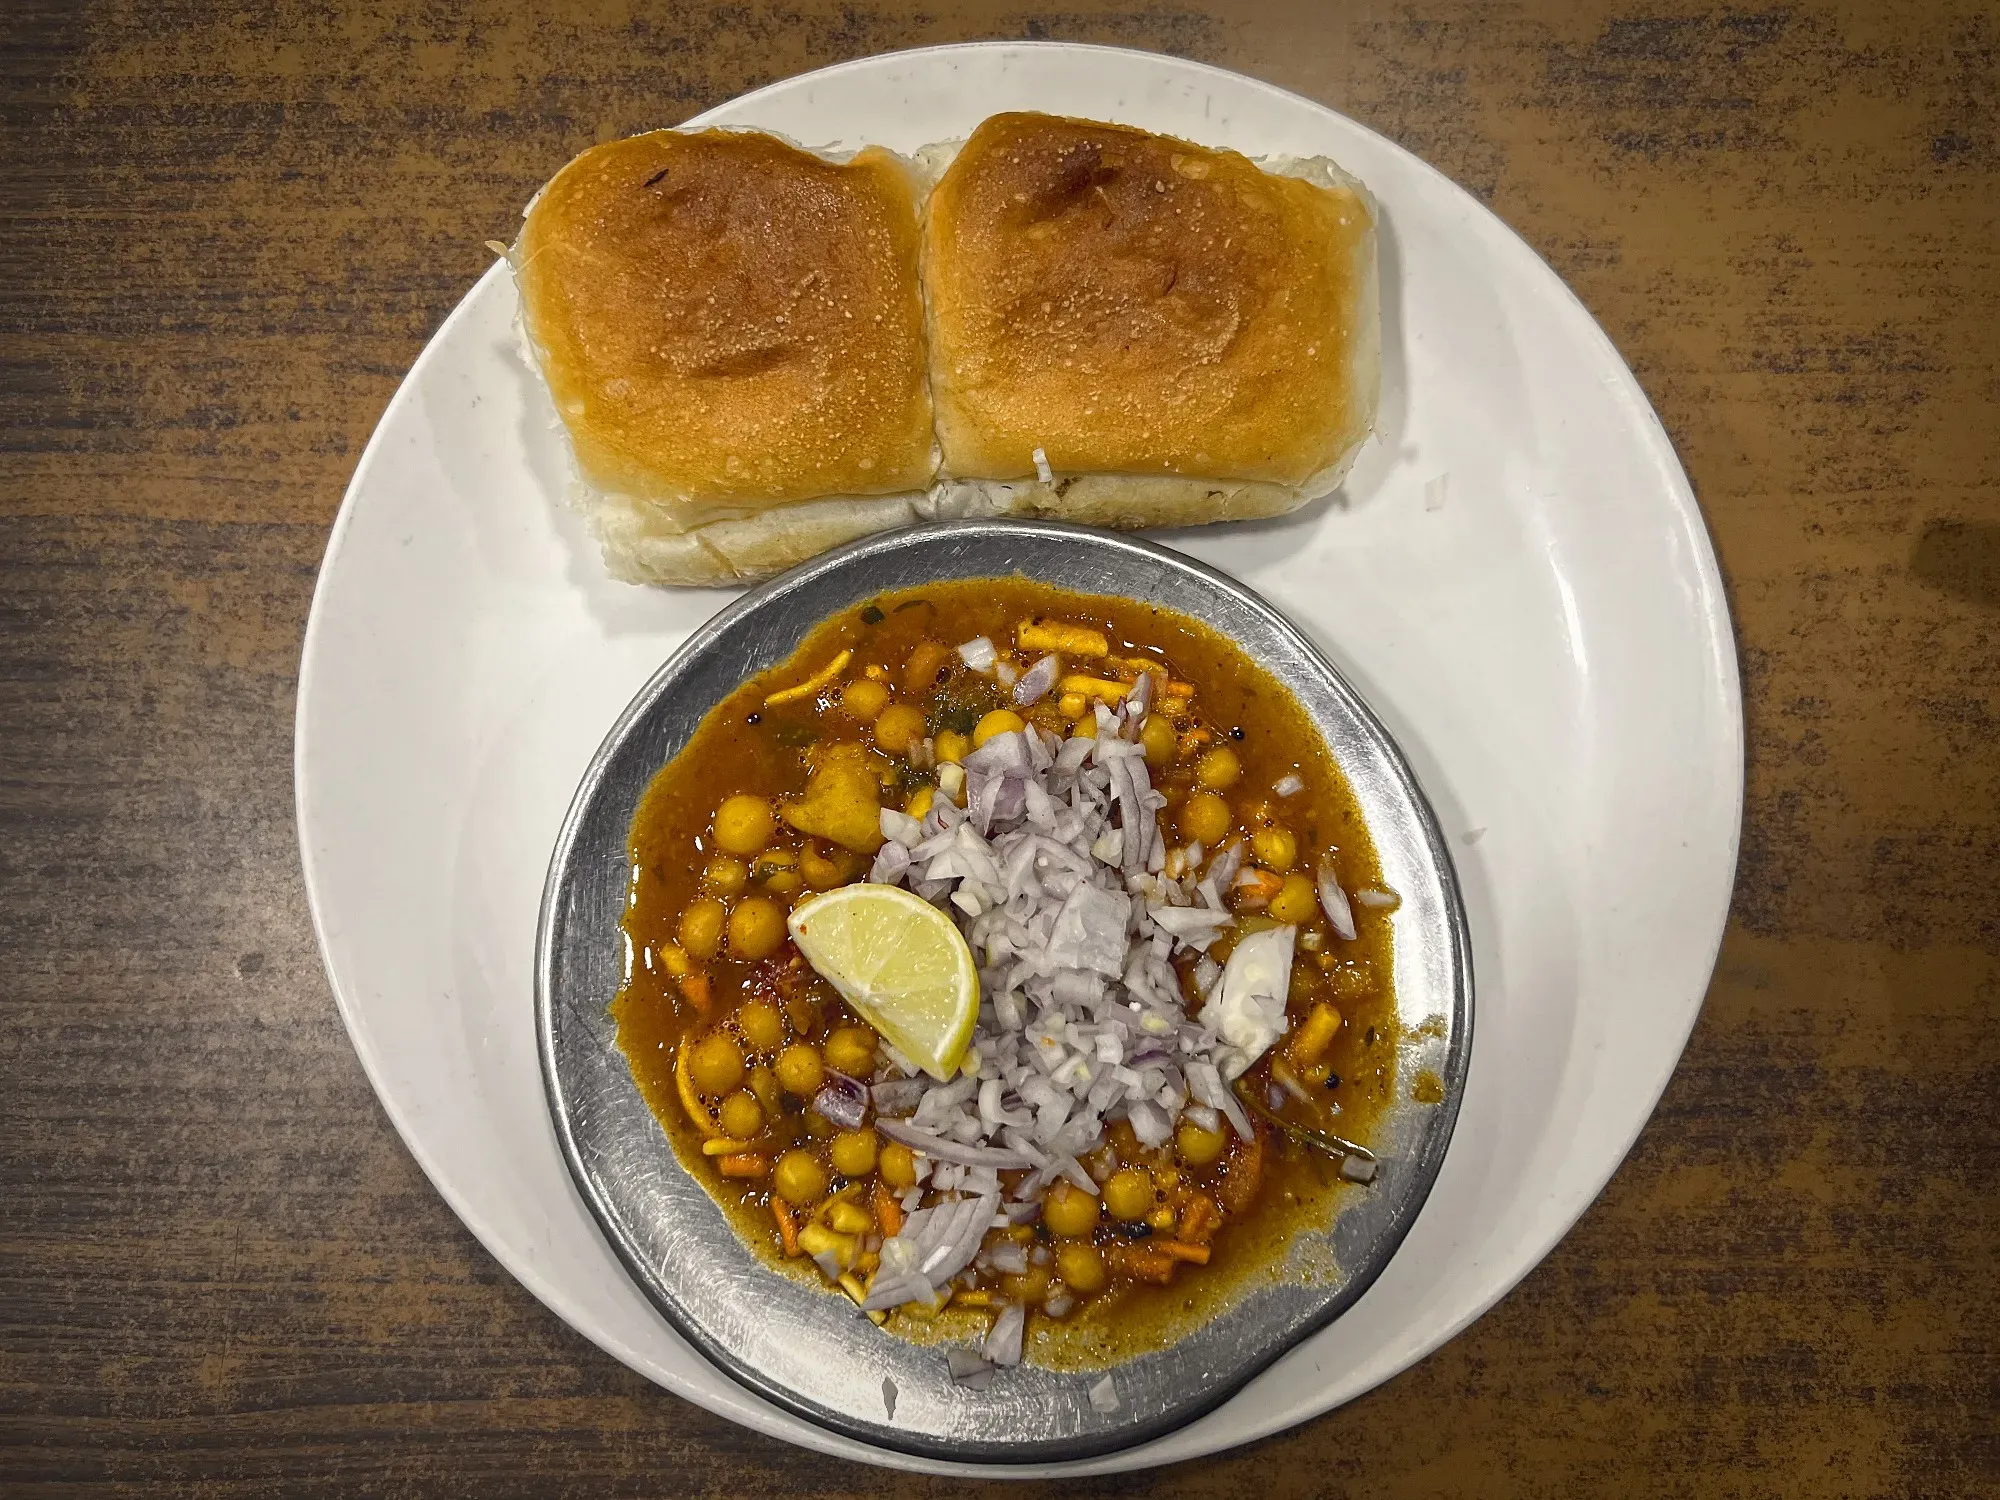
(809,1350)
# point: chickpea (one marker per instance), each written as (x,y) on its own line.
(951,747)
(853,1153)
(1296,901)
(1029,1286)
(772,862)
(701,927)
(715,1066)
(898,1165)
(725,876)
(800,1178)
(1069,1211)
(1129,1194)
(900,727)
(920,672)
(744,824)
(762,1027)
(1160,741)
(800,1071)
(864,698)
(822,870)
(756,928)
(742,1115)
(851,1050)
(784,883)
(1275,848)
(1205,819)
(1081,1267)
(1000,721)
(1198,1147)
(1218,769)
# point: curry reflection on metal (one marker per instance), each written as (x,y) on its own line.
(809,1350)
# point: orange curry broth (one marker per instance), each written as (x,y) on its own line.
(1264,1194)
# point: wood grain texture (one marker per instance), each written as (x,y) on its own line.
(228,235)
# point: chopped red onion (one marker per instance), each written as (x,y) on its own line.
(978,654)
(891,863)
(965,1365)
(1228,860)
(898,1095)
(901,828)
(847,1110)
(1003,1344)
(1036,682)
(1289,785)
(1139,699)
(893,1291)
(948,1150)
(1333,900)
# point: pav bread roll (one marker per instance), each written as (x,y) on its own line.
(1131,330)
(732,332)
(744,339)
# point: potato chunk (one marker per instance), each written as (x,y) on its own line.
(842,803)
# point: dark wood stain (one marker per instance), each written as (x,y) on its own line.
(228,234)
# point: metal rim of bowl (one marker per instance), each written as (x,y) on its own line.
(882,563)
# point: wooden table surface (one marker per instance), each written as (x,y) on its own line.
(227,235)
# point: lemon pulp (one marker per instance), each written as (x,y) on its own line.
(900,963)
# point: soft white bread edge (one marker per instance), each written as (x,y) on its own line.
(1365,367)
(643,546)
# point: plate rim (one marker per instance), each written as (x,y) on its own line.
(1425,1163)
(1722,676)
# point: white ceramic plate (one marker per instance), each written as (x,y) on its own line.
(1515,576)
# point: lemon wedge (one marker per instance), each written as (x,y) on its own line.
(901,964)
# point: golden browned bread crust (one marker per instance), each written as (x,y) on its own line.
(728,323)
(1135,304)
